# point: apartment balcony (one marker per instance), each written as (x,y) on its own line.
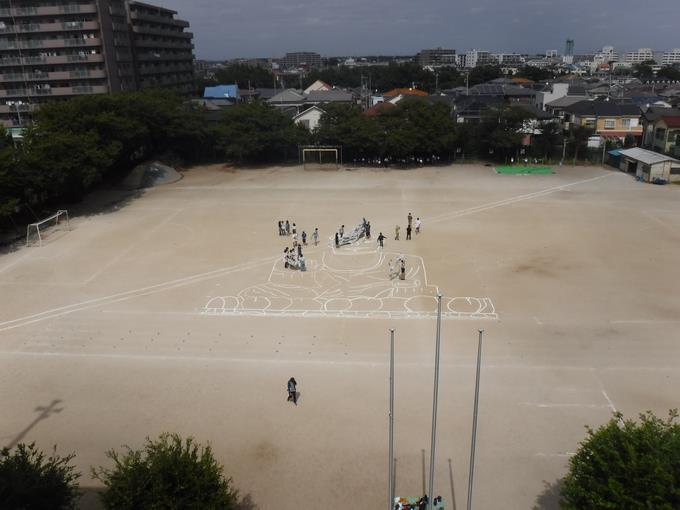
(67,26)
(164,31)
(157,18)
(147,43)
(163,57)
(25,108)
(28,44)
(55,91)
(53,76)
(52,59)
(166,69)
(48,10)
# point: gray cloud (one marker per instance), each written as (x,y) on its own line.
(268,28)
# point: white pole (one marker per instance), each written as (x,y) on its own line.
(390,482)
(474,423)
(430,493)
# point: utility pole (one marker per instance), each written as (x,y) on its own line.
(430,494)
(474,423)
(390,482)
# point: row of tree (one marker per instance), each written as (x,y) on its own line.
(75,145)
(166,473)
(621,465)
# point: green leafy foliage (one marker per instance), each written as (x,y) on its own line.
(31,481)
(384,78)
(258,132)
(625,465)
(244,75)
(168,473)
(500,133)
(74,145)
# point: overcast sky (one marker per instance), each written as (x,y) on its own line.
(270,28)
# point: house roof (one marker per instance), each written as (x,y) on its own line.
(654,113)
(379,109)
(308,110)
(404,92)
(603,108)
(267,93)
(221,91)
(672,122)
(287,96)
(329,96)
(646,157)
(566,101)
(535,111)
(497,89)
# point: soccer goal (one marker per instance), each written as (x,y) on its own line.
(318,156)
(36,232)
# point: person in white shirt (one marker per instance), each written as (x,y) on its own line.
(417,225)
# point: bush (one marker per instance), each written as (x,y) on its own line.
(167,473)
(625,465)
(29,481)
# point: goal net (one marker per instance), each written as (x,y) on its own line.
(320,157)
(37,232)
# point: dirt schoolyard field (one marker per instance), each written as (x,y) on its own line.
(173,312)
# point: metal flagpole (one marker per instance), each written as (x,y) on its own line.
(390,483)
(474,422)
(430,494)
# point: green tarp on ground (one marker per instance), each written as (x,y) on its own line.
(524,170)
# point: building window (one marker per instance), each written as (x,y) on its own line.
(610,123)
(625,123)
(590,123)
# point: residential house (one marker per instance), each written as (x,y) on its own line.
(289,99)
(318,85)
(607,118)
(317,97)
(556,108)
(662,130)
(309,118)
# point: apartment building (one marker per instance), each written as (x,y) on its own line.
(163,50)
(476,58)
(299,59)
(56,49)
(639,56)
(436,57)
(671,57)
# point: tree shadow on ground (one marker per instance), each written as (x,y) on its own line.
(549,499)
(90,500)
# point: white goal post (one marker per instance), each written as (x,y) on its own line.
(38,230)
(314,155)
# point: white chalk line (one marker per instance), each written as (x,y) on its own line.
(260,360)
(557,406)
(609,401)
(512,200)
(121,296)
(132,246)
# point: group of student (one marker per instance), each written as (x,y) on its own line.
(409,227)
(363,229)
(292,257)
(421,504)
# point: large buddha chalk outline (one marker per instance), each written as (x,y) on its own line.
(326,290)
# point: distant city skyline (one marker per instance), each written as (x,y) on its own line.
(260,28)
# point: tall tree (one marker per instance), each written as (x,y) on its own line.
(244,75)
(626,465)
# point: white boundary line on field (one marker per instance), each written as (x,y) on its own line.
(121,296)
(512,200)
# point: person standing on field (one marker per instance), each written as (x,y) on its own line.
(292,390)
(342,230)
(381,238)
(408,232)
(396,233)
(304,238)
(315,236)
(287,227)
(294,229)
(417,225)
(410,219)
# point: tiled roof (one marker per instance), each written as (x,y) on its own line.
(603,108)
(413,92)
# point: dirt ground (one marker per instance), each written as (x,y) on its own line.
(173,313)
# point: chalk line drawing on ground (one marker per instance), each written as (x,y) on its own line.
(352,282)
